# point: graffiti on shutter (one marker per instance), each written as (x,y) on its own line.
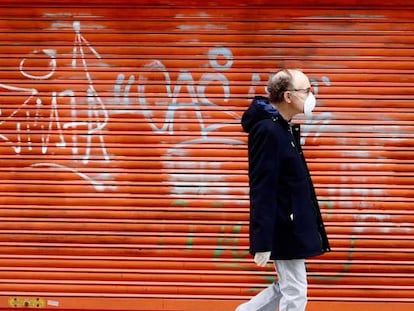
(123,163)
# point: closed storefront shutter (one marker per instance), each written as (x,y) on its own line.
(124,167)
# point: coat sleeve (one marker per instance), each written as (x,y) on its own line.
(264,170)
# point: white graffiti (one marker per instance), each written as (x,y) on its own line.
(53,64)
(82,132)
(97,115)
(196,90)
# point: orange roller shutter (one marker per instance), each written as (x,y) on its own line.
(123,169)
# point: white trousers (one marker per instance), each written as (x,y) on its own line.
(288,294)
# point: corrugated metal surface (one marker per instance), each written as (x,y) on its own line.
(123,166)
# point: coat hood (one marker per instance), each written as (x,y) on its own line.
(260,109)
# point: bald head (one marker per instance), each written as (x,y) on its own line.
(282,81)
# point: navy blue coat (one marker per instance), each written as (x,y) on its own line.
(284,213)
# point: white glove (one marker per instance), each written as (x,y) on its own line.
(261,258)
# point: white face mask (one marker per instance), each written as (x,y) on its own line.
(309,105)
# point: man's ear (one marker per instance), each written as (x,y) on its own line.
(287,97)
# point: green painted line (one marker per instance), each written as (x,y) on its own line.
(179,203)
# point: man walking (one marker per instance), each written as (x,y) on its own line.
(285,221)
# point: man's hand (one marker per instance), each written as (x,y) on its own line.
(261,258)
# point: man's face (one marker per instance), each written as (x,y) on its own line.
(300,91)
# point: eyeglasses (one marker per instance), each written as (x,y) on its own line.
(307,90)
